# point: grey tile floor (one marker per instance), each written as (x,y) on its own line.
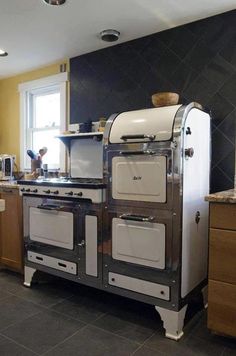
(59,318)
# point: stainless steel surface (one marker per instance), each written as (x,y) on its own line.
(145,213)
(75,256)
(168,213)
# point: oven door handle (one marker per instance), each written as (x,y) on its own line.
(129,153)
(49,207)
(133,137)
(141,218)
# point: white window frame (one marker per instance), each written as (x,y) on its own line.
(28,88)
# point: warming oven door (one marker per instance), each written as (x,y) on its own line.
(140,177)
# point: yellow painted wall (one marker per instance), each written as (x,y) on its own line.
(10,107)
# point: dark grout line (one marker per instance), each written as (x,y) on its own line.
(18,322)
(17,343)
(61,342)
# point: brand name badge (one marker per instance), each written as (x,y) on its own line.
(137,177)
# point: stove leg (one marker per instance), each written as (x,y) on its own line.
(173,322)
(28,275)
(205,296)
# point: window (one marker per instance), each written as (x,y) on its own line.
(43,116)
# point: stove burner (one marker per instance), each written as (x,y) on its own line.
(70,180)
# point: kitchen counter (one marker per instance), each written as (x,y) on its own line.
(222,263)
(9,184)
(227,196)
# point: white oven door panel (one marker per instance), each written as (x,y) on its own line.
(141,243)
(139,178)
(52,227)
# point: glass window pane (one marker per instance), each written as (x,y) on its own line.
(47,139)
(47,110)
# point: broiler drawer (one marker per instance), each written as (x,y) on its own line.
(52,262)
(140,286)
(139,178)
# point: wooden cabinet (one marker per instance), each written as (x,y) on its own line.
(11,230)
(222,269)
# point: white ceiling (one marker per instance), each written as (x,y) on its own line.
(35,34)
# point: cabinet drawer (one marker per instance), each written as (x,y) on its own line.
(223,216)
(222,255)
(222,307)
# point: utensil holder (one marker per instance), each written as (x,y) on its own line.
(35,163)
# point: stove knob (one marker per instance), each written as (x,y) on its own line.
(27,190)
(80,194)
(189,152)
(35,191)
(56,192)
(22,190)
(47,191)
(69,193)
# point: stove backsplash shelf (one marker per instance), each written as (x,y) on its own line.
(85,153)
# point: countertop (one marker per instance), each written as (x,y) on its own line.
(9,184)
(227,196)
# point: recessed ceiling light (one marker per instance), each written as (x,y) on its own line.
(55,2)
(109,35)
(3,53)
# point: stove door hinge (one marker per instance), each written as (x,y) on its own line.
(174,144)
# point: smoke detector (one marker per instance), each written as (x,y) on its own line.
(109,35)
(55,2)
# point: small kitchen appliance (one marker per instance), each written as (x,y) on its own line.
(6,166)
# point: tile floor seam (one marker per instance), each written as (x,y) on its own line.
(42,306)
(117,335)
(2,299)
(133,353)
(19,344)
(71,317)
(19,321)
(151,349)
(144,343)
(29,301)
(66,339)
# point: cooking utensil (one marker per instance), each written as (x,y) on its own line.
(31,154)
(165,99)
(43,151)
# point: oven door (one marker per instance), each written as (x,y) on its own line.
(140,178)
(137,239)
(138,242)
(50,222)
(137,256)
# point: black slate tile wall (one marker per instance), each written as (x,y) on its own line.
(197,60)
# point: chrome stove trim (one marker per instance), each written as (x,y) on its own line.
(95,195)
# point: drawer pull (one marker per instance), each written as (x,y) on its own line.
(62,265)
(133,137)
(141,218)
(49,207)
(129,153)
(39,258)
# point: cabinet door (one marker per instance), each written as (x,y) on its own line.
(222,255)
(11,236)
(222,307)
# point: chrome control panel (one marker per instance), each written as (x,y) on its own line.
(95,195)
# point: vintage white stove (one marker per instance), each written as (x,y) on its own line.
(141,228)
